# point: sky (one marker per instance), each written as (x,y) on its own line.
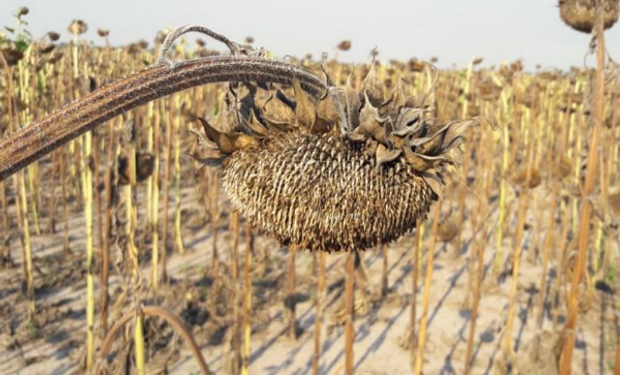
(452,30)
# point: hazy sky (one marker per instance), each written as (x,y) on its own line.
(453,30)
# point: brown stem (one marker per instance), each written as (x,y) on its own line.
(546,253)
(215,214)
(65,204)
(6,256)
(247,303)
(414,281)
(52,204)
(479,253)
(518,249)
(97,181)
(419,358)
(236,330)
(384,273)
(559,280)
(170,318)
(349,309)
(617,365)
(107,229)
(588,189)
(166,197)
(462,195)
(291,300)
(318,322)
(40,138)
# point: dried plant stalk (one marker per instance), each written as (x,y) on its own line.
(178,232)
(546,254)
(139,344)
(43,136)
(617,364)
(247,301)
(236,328)
(65,204)
(419,359)
(131,211)
(588,189)
(465,166)
(507,344)
(477,285)
(291,298)
(154,311)
(154,199)
(166,197)
(415,261)
(21,199)
(26,244)
(5,257)
(87,181)
(384,272)
(215,214)
(107,230)
(349,329)
(502,202)
(318,321)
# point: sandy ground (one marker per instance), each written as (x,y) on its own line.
(57,347)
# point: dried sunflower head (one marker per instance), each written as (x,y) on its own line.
(579,14)
(344,171)
(77,27)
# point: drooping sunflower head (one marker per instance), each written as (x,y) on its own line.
(346,170)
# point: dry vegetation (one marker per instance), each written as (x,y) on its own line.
(121,252)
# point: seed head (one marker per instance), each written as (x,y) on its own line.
(345,45)
(78,27)
(54,36)
(12,56)
(346,171)
(579,14)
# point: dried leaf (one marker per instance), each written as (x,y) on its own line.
(372,88)
(305,113)
(255,126)
(397,141)
(227,143)
(353,104)
(328,110)
(277,112)
(422,163)
(410,121)
(395,102)
(448,137)
(435,182)
(385,155)
(370,125)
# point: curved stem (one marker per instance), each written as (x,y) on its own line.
(171,319)
(42,137)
